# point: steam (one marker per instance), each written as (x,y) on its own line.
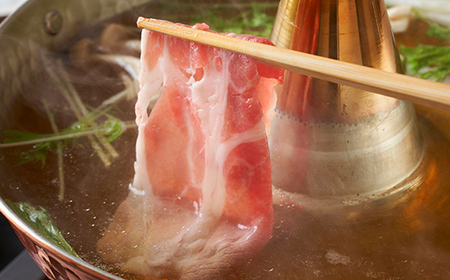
(48,87)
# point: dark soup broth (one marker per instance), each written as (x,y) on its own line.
(80,106)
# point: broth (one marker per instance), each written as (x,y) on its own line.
(93,191)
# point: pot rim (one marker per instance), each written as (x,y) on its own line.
(38,239)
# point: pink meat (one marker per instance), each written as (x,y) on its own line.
(201,201)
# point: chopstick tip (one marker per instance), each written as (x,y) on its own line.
(141,21)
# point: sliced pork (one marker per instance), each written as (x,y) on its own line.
(200,206)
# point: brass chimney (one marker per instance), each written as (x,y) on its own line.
(331,140)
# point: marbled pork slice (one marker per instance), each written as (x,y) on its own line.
(200,206)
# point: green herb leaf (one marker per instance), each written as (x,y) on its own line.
(38,153)
(419,58)
(251,19)
(112,128)
(438,31)
(40,221)
(261,21)
(11,136)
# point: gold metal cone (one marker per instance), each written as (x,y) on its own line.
(333,140)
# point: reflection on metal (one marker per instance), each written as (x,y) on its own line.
(332,140)
(52,260)
(401,234)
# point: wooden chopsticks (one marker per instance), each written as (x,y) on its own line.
(395,85)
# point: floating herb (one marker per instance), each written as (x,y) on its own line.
(428,62)
(255,21)
(112,128)
(59,151)
(438,31)
(40,221)
(39,151)
(252,18)
(12,136)
(43,143)
(87,125)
